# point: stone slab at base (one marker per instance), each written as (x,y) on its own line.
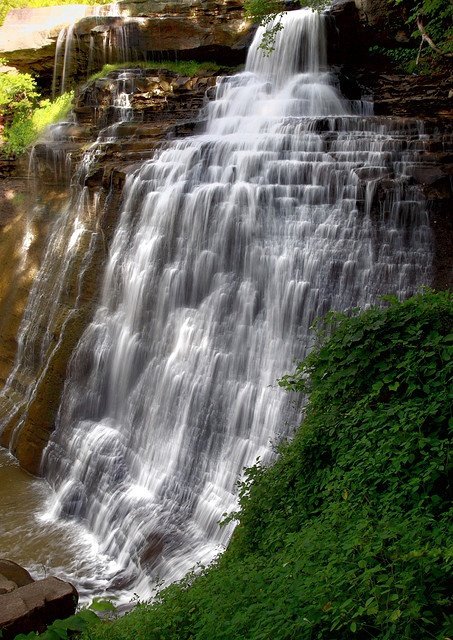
(34,606)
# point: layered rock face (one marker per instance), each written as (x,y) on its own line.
(361,25)
(26,605)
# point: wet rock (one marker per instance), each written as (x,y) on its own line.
(372,173)
(14,573)
(36,605)
(94,178)
(397,94)
(6,585)
(427,174)
(386,24)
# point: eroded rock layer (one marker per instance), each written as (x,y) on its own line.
(57,226)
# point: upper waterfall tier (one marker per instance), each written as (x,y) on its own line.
(300,46)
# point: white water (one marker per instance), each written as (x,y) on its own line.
(229,245)
(42,545)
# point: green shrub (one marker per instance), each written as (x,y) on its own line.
(349,534)
(437,18)
(25,130)
(417,56)
(18,94)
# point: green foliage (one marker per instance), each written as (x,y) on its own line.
(349,534)
(267,13)
(27,125)
(404,59)
(18,94)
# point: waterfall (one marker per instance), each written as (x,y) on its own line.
(293,201)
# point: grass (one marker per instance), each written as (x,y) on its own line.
(185,68)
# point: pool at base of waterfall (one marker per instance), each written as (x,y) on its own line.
(30,537)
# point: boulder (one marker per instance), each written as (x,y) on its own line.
(34,606)
(14,573)
(6,585)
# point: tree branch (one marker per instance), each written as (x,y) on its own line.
(427,39)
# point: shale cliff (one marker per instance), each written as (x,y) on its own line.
(148,30)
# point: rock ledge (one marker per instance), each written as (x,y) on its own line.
(27,605)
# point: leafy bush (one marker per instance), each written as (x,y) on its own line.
(348,535)
(26,128)
(437,16)
(436,19)
(18,94)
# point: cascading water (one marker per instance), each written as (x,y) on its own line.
(229,245)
